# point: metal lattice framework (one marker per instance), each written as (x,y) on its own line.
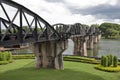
(76,29)
(93,31)
(35,30)
(26,26)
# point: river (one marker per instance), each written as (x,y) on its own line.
(105,46)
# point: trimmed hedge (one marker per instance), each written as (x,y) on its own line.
(115,61)
(108,69)
(3,62)
(109,60)
(109,64)
(81,59)
(5,57)
(28,56)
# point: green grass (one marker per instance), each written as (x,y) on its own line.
(24,70)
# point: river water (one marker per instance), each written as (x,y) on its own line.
(104,47)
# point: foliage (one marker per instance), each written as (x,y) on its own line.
(3,62)
(108,61)
(5,57)
(95,25)
(85,25)
(105,61)
(115,61)
(81,59)
(110,30)
(26,56)
(108,69)
(102,60)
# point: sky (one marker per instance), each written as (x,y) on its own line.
(75,11)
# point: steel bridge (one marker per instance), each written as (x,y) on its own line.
(37,30)
(48,41)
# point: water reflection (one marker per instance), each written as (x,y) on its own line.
(69,50)
(103,48)
(94,51)
(109,47)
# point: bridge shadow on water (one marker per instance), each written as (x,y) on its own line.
(28,72)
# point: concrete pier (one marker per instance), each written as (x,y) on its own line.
(49,54)
(90,42)
(80,47)
(84,43)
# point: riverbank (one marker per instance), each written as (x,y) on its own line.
(24,70)
(118,38)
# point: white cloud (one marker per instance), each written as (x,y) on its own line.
(89,3)
(117,20)
(56,12)
(59,13)
(113,2)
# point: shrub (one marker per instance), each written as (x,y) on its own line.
(102,60)
(108,69)
(108,61)
(115,61)
(9,56)
(111,59)
(108,56)
(105,62)
(0,56)
(5,57)
(81,59)
(3,62)
(29,56)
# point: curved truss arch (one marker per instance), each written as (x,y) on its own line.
(35,30)
(74,29)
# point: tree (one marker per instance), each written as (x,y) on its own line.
(95,25)
(110,30)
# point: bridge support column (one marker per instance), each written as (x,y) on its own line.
(90,42)
(95,39)
(49,54)
(99,37)
(80,46)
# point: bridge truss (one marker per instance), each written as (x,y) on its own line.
(24,26)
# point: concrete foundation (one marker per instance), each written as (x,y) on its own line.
(90,42)
(96,38)
(49,54)
(80,46)
(99,37)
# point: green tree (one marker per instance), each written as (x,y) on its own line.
(95,25)
(110,30)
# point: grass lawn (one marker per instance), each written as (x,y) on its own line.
(24,70)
